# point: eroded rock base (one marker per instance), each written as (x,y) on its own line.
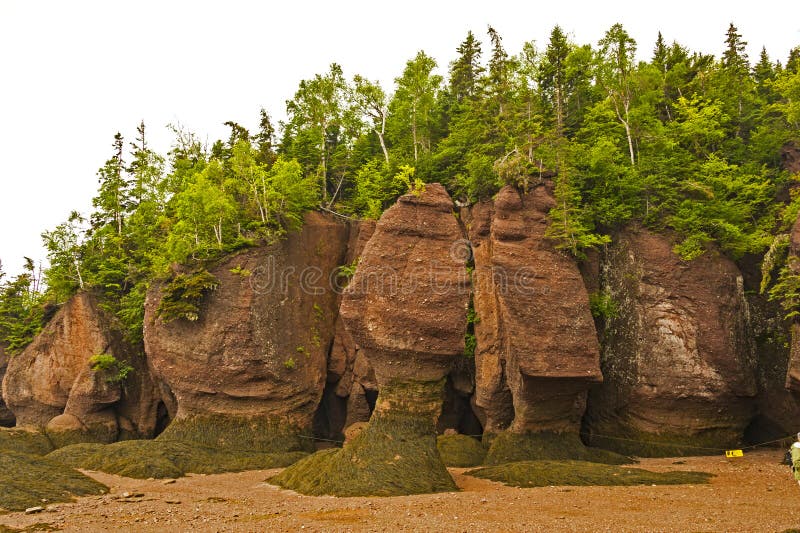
(246,434)
(395,455)
(509,447)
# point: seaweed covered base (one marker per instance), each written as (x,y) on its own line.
(460,451)
(395,455)
(575,473)
(237,433)
(635,443)
(161,459)
(24,441)
(508,447)
(27,480)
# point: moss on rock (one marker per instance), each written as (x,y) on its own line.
(641,444)
(508,447)
(460,450)
(160,459)
(547,473)
(24,441)
(395,455)
(26,480)
(246,434)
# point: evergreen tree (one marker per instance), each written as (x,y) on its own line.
(466,70)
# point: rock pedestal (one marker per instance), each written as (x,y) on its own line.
(405,308)
(537,352)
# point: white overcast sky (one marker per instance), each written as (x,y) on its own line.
(74,73)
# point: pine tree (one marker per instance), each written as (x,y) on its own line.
(734,58)
(466,70)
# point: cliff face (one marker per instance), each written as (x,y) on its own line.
(677,358)
(278,349)
(6,416)
(257,355)
(793,371)
(51,383)
(537,352)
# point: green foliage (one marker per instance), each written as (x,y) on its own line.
(289,364)
(787,291)
(685,143)
(116,371)
(239,271)
(581,473)
(22,312)
(181,297)
(603,306)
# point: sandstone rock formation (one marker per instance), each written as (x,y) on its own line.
(6,416)
(537,352)
(249,373)
(349,374)
(51,383)
(406,310)
(677,359)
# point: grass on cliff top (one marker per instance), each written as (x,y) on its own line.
(394,456)
(510,447)
(577,473)
(161,459)
(26,480)
(20,440)
(460,450)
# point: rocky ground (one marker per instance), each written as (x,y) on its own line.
(754,493)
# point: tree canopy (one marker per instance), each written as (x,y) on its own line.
(683,142)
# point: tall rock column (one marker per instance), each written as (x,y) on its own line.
(406,309)
(677,358)
(537,352)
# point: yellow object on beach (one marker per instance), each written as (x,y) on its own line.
(734,453)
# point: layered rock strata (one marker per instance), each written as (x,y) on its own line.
(677,359)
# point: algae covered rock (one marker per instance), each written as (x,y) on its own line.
(23,440)
(255,358)
(28,480)
(405,308)
(509,447)
(162,459)
(460,450)
(394,455)
(579,473)
(677,358)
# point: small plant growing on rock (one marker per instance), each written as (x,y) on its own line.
(181,297)
(603,306)
(116,371)
(239,271)
(289,363)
